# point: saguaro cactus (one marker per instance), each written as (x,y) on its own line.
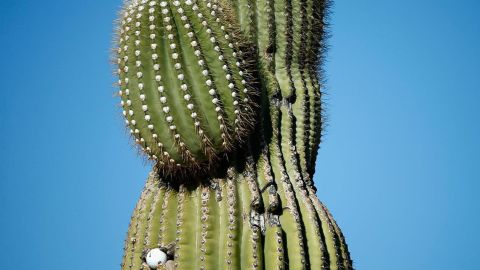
(254,207)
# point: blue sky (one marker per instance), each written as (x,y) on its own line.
(399,165)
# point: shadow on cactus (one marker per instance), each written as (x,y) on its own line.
(225,97)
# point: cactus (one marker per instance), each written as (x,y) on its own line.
(257,209)
(183,79)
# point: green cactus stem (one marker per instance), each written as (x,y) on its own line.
(184,82)
(258,209)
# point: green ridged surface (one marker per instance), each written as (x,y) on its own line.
(259,210)
(183,81)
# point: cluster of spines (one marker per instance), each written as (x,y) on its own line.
(157,41)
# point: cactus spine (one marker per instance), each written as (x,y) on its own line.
(258,209)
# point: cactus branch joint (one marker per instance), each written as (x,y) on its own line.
(225,98)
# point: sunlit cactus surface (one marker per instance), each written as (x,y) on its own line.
(224,96)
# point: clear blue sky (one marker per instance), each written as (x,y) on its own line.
(399,166)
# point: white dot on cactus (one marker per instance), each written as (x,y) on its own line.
(217,19)
(151,18)
(184,87)
(197,123)
(215,101)
(197,52)
(129,102)
(140,86)
(120,93)
(200,131)
(195,7)
(235,103)
(217,109)
(139,74)
(178,66)
(220,57)
(124,113)
(208,82)
(137,140)
(160,89)
(204,23)
(175,55)
(158,78)
(216,48)
(133,122)
(245,90)
(200,62)
(147,117)
(154,135)
(231,46)
(144,108)
(177,136)
(205,72)
(163,99)
(181,77)
(209,31)
(166,19)
(193,115)
(142,97)
(127,91)
(142,139)
(244,82)
(237,112)
(156,67)
(187,26)
(173,46)
(193,43)
(211,92)
(223,28)
(183,18)
(180,10)
(153,46)
(138,63)
(176,3)
(188,2)
(163,4)
(228,77)
(137,52)
(129,19)
(238,64)
(137,131)
(152,36)
(200,15)
(190,34)
(125,69)
(231,85)
(245,99)
(152,26)
(160,145)
(150,126)
(137,24)
(130,112)
(151,10)
(169,119)
(190,106)
(213,13)
(166,109)
(170,36)
(154,56)
(186,97)
(172,127)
